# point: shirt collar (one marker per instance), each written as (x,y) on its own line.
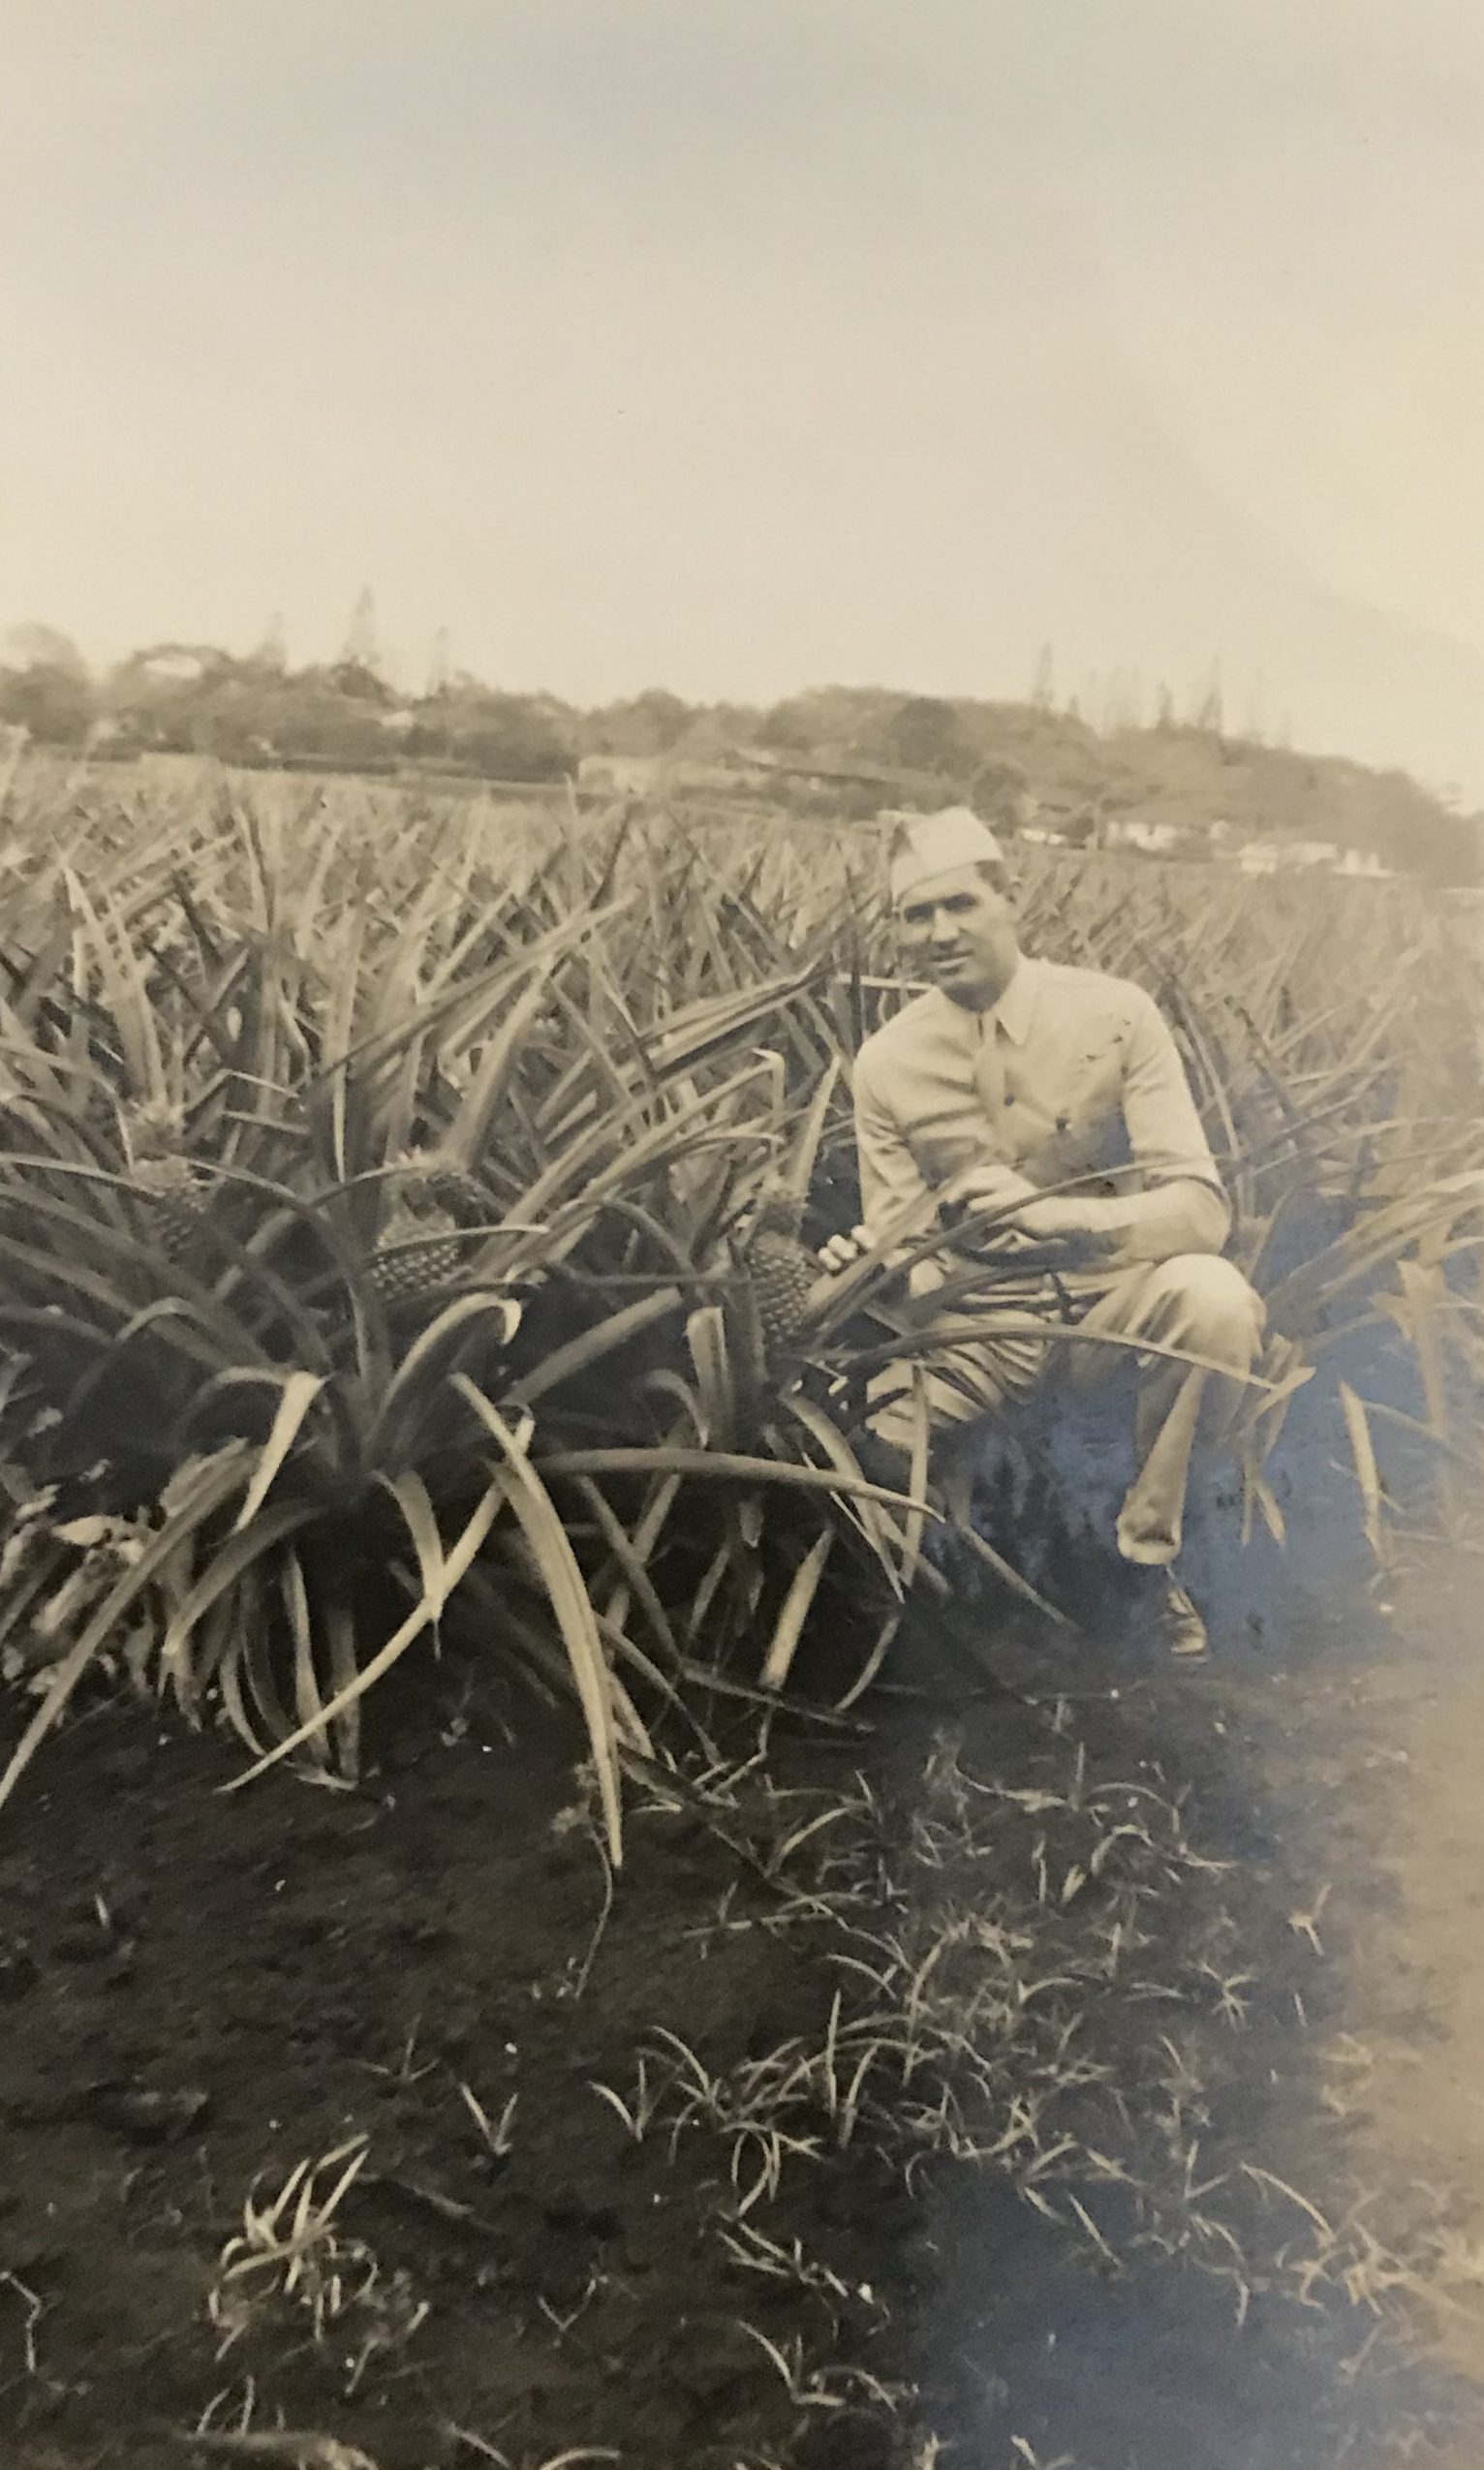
(1016,1008)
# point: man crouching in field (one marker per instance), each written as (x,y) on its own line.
(1009,1077)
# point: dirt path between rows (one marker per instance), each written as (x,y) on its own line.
(1334,1747)
(1405,1795)
(201,1993)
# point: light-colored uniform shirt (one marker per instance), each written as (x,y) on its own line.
(1071,1073)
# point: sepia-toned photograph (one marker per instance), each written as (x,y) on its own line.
(741,1235)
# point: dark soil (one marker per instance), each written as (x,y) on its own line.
(200,1991)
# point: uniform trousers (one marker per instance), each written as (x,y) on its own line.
(1195,1302)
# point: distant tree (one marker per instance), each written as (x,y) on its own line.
(356,680)
(838,724)
(1255,717)
(649,724)
(1416,831)
(788,727)
(54,701)
(32,645)
(160,698)
(925,734)
(998,791)
(1208,712)
(507,737)
(1122,705)
(361,649)
(1080,828)
(311,718)
(194,698)
(715,730)
(272,651)
(1043,685)
(440,665)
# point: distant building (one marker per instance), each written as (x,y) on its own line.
(1135,832)
(173,662)
(1269,857)
(761,767)
(1063,823)
(721,779)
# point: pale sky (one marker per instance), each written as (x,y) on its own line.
(745,345)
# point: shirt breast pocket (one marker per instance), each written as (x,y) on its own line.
(943,1149)
(1089,1118)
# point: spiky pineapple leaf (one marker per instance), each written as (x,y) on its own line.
(424,1612)
(300,1389)
(229,1559)
(571,1606)
(803,1586)
(200,1496)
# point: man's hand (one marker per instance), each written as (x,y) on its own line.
(1068,1228)
(1071,1228)
(984,1187)
(842,1250)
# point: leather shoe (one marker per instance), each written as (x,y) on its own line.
(1173,1619)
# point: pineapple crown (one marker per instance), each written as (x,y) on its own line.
(432,1176)
(777,1212)
(153,1128)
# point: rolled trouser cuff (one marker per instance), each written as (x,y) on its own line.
(1147,1552)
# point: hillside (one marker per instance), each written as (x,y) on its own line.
(835,750)
(1017,760)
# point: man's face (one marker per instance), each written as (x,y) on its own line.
(959,931)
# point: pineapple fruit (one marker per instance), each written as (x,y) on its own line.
(179,1190)
(182,1197)
(781,1269)
(445,1198)
(399,1277)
